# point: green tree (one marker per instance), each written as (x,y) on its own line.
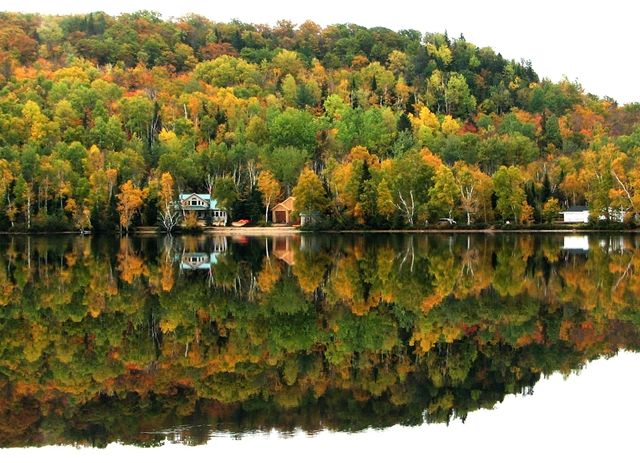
(224,191)
(293,127)
(458,98)
(509,188)
(410,177)
(290,90)
(286,163)
(551,209)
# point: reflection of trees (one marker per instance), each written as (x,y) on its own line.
(102,340)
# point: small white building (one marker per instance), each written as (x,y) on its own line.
(615,215)
(576,214)
(580,214)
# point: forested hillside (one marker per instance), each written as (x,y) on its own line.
(103,120)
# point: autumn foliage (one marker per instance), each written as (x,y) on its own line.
(402,129)
(304,331)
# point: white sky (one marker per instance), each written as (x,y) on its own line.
(593,42)
(590,417)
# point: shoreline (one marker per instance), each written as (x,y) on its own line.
(485,231)
(277,231)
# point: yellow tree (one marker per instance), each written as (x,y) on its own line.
(450,126)
(573,186)
(6,178)
(270,189)
(625,192)
(309,193)
(351,182)
(602,190)
(81,215)
(551,209)
(130,200)
(168,212)
(425,120)
(102,178)
(384,200)
(472,184)
(444,194)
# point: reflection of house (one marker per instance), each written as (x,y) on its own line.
(576,244)
(219,244)
(197,261)
(576,214)
(579,244)
(205,207)
(283,249)
(204,260)
(282,212)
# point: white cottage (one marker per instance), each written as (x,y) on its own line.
(576,214)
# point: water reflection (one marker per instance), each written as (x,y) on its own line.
(134,340)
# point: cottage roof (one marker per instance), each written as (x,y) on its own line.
(286,205)
(576,209)
(213,203)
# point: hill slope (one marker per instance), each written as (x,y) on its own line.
(398,128)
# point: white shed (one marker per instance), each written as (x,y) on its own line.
(576,214)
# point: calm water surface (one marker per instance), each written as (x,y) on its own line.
(141,341)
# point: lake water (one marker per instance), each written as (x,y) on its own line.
(302,340)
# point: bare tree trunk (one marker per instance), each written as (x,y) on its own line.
(408,209)
(626,191)
(29,210)
(209,183)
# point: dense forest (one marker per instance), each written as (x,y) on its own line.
(104,120)
(105,340)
